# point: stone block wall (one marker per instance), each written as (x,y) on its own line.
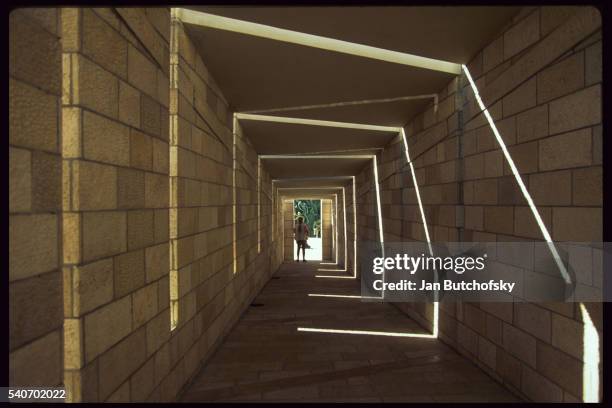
(287,231)
(342,236)
(350,229)
(122,206)
(132,192)
(277,224)
(220,266)
(35,199)
(367,211)
(541,81)
(115,101)
(327,232)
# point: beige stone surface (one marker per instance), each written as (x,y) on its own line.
(103,44)
(157,262)
(38,363)
(576,110)
(34,53)
(94,87)
(129,104)
(144,304)
(538,388)
(142,382)
(532,124)
(156,191)
(520,344)
(35,306)
(151,113)
(533,319)
(106,326)
(104,234)
(32,117)
(93,286)
(523,34)
(577,224)
(33,245)
(551,188)
(89,195)
(20,180)
(568,150)
(141,72)
(562,78)
(522,98)
(118,363)
(587,186)
(140,229)
(105,140)
(130,188)
(129,272)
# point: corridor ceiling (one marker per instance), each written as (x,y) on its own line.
(299,167)
(309,194)
(275,77)
(287,138)
(256,73)
(309,183)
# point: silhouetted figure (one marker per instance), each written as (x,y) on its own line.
(301,235)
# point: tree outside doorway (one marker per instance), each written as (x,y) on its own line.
(310,210)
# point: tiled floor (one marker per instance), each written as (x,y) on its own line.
(265,357)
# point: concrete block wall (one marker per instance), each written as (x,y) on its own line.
(35,199)
(541,81)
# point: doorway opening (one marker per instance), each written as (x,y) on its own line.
(310,212)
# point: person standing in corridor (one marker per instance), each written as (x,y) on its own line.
(301,233)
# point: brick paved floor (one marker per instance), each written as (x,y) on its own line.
(265,357)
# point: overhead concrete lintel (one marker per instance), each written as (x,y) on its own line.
(320,156)
(315,122)
(313,178)
(349,103)
(310,188)
(309,40)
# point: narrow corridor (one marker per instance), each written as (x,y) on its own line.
(266,358)
(158,157)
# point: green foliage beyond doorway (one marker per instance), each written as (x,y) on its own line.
(311,211)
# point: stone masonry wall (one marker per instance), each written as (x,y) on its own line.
(350,229)
(35,199)
(541,81)
(123,169)
(287,232)
(367,212)
(219,273)
(341,228)
(115,203)
(276,219)
(327,233)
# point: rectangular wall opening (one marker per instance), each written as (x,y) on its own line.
(310,212)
